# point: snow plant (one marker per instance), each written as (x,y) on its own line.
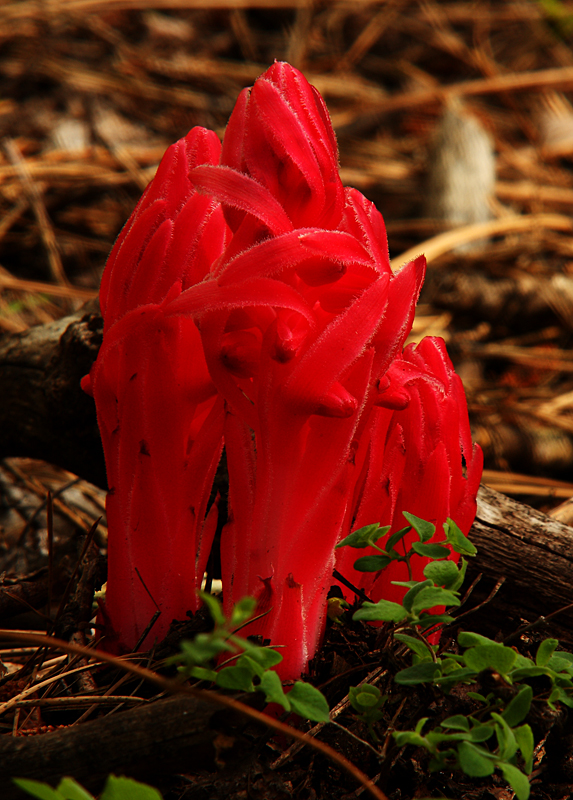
(249,303)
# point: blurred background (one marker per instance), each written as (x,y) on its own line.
(456,118)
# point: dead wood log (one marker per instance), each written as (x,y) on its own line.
(43,412)
(178,733)
(534,554)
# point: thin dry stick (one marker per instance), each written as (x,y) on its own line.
(29,9)
(35,687)
(35,197)
(7,281)
(82,700)
(174,686)
(543,79)
(445,242)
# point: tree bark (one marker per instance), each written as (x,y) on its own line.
(176,733)
(533,553)
(44,413)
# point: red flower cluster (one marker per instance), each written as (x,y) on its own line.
(250,301)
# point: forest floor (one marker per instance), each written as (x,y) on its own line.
(93,91)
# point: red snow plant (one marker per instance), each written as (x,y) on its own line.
(249,302)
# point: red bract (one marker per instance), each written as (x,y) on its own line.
(159,415)
(253,299)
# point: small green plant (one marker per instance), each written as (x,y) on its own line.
(252,670)
(68,789)
(460,740)
(443,578)
(367,701)
(495,736)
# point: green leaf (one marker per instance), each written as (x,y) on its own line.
(455,585)
(410,596)
(429,620)
(383,611)
(437,737)
(518,707)
(395,538)
(38,789)
(423,528)
(457,723)
(453,678)
(442,573)
(475,761)
(128,789)
(545,651)
(420,724)
(477,696)
(272,687)
(560,664)
(364,537)
(516,779)
(265,657)
(425,672)
(238,678)
(242,611)
(203,648)
(308,702)
(431,596)
(565,658)
(247,663)
(505,738)
(430,550)
(481,733)
(409,737)
(560,695)
(522,661)
(364,698)
(71,790)
(214,608)
(524,738)
(372,563)
(490,656)
(451,663)
(417,646)
(459,542)
(203,674)
(469,639)
(528,672)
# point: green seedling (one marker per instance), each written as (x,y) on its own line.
(252,669)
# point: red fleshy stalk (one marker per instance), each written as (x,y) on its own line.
(160,417)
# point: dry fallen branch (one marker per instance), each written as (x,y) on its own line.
(43,412)
(534,553)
